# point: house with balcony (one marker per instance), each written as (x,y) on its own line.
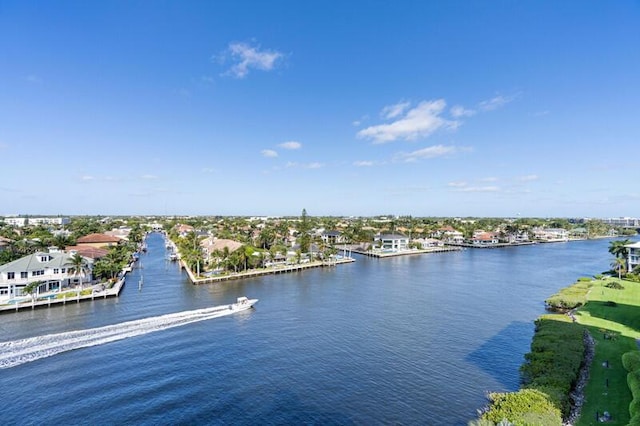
(427,243)
(54,271)
(332,237)
(482,238)
(449,235)
(633,256)
(392,242)
(549,235)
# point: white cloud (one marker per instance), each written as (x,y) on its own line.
(393,111)
(479,189)
(495,102)
(149,177)
(489,179)
(247,57)
(418,122)
(428,152)
(290,145)
(270,153)
(363,163)
(528,178)
(87,178)
(3,146)
(458,111)
(314,165)
(457,184)
(207,170)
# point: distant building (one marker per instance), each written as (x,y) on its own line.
(20,222)
(630,222)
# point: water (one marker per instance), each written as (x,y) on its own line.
(414,340)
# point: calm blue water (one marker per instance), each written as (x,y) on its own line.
(414,340)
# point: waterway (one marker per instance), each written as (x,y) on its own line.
(413,340)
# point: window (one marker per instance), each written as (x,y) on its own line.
(64,270)
(56,271)
(24,274)
(11,275)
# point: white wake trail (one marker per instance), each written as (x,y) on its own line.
(18,352)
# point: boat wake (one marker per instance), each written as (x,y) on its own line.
(21,351)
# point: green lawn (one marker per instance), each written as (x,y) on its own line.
(613,318)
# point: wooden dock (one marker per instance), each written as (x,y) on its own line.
(279,269)
(49,302)
(383,254)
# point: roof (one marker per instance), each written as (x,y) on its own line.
(32,262)
(392,237)
(98,238)
(220,244)
(88,251)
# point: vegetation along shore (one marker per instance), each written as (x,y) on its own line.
(584,364)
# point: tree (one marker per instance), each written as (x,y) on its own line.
(78,266)
(32,289)
(619,264)
(305,239)
(618,249)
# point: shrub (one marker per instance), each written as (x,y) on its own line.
(570,297)
(614,285)
(524,407)
(631,361)
(553,365)
(585,279)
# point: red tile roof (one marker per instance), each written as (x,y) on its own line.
(98,238)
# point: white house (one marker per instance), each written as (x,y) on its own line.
(633,256)
(332,237)
(428,242)
(551,234)
(53,270)
(393,242)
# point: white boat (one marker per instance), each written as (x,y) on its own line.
(242,304)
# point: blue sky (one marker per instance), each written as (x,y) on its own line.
(427,108)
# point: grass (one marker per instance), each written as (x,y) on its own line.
(613,318)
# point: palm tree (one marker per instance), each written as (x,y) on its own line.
(618,249)
(619,264)
(78,267)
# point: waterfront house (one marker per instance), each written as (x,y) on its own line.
(426,243)
(482,238)
(183,230)
(633,256)
(332,237)
(551,234)
(392,242)
(99,240)
(212,247)
(53,270)
(449,235)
